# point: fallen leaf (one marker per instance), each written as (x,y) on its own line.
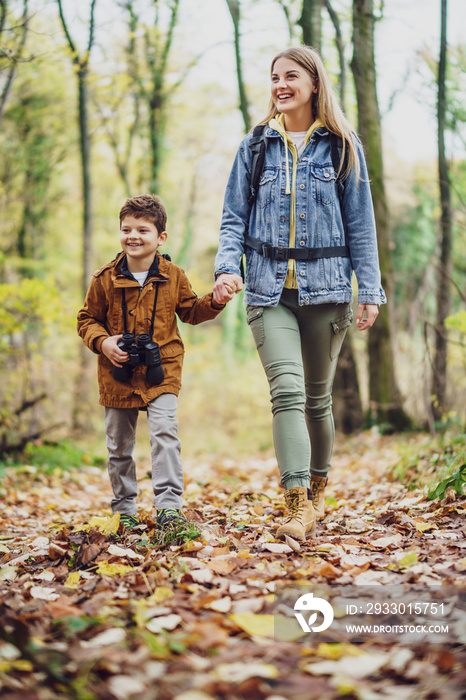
(123,687)
(241,671)
(408,560)
(356,525)
(277,548)
(222,605)
(166,622)
(117,551)
(255,625)
(354,667)
(201,575)
(160,595)
(221,566)
(114,635)
(73,580)
(292,543)
(107,569)
(384,542)
(43,593)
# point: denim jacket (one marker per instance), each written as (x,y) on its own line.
(319,223)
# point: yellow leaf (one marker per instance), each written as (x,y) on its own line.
(192,546)
(244,554)
(422,525)
(336,651)
(285,629)
(408,560)
(160,595)
(111,525)
(255,625)
(113,569)
(4,549)
(73,580)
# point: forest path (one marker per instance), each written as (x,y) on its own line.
(95,614)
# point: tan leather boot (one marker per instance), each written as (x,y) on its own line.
(301,518)
(318,484)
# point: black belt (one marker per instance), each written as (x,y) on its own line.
(280,253)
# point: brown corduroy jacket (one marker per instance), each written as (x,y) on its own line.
(102,317)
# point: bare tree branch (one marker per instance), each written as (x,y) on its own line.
(340,48)
(67,34)
(17,53)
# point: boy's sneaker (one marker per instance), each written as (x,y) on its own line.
(169,516)
(129,521)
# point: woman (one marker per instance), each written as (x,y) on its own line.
(298,285)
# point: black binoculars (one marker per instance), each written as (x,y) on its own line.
(141,351)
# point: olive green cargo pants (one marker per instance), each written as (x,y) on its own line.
(299,347)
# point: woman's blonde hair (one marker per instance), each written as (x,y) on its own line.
(325,105)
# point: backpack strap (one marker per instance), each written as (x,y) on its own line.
(336,150)
(257,144)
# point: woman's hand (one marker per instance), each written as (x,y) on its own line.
(372,311)
(225,286)
(110,348)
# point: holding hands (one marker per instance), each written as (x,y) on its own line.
(226,285)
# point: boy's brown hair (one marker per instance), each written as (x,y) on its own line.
(146,206)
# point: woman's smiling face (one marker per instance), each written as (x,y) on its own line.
(292,88)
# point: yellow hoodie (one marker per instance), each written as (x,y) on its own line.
(278,125)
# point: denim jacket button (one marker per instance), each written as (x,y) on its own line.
(326,173)
(302,216)
(302,273)
(301,187)
(302,242)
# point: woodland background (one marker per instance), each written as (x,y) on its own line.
(105,98)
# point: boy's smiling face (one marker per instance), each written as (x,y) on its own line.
(140,239)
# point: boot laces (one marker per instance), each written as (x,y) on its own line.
(294,502)
(316,488)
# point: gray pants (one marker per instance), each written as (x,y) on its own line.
(299,347)
(167,471)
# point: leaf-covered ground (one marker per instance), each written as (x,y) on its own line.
(90,612)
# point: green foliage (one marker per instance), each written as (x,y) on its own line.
(29,310)
(175,534)
(49,457)
(456,481)
(433,463)
(27,307)
(457,322)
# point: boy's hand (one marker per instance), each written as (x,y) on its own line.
(111,350)
(372,311)
(226,285)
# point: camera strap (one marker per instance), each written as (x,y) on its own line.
(124,307)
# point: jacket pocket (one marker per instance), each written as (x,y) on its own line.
(267,187)
(255,317)
(338,332)
(323,183)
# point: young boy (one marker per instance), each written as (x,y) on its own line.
(138,293)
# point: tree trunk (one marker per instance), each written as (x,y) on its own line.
(439,383)
(85,152)
(347,408)
(340,48)
(311,23)
(385,399)
(81,413)
(235,12)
